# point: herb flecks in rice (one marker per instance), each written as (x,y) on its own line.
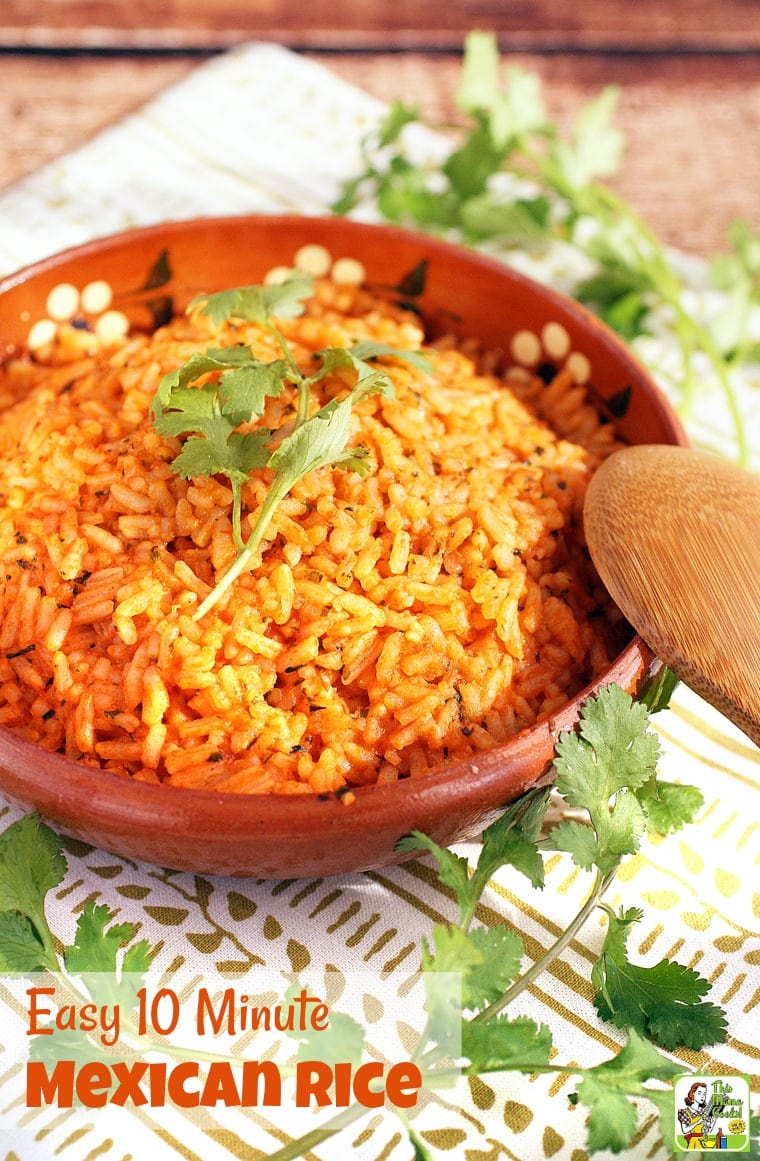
(390,621)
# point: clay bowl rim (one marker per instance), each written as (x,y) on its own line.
(475,788)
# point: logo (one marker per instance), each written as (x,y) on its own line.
(712,1112)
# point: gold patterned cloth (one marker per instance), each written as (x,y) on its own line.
(698,890)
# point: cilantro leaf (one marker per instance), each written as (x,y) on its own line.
(360,352)
(387,133)
(612,1117)
(220,450)
(258,303)
(483,961)
(211,413)
(322,439)
(662,1002)
(406,196)
(243,392)
(501,953)
(20,948)
(613,750)
(605,1089)
(186,409)
(600,768)
(619,299)
(469,168)
(479,87)
(501,1044)
(511,840)
(443,975)
(670,806)
(596,145)
(202,363)
(502,148)
(508,112)
(342,1040)
(517,222)
(240,391)
(454,951)
(578,840)
(94,957)
(31,864)
(616,833)
(453,870)
(95,949)
(398,115)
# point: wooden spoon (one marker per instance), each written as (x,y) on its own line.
(675,537)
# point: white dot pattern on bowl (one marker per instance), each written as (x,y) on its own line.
(42,333)
(579,367)
(112,326)
(348,272)
(63,302)
(552,345)
(556,340)
(317,260)
(96,297)
(525,348)
(313,259)
(66,306)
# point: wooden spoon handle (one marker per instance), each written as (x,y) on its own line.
(675,537)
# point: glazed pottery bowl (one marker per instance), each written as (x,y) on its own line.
(159,269)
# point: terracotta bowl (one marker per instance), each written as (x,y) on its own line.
(155,269)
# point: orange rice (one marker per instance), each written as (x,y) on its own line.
(421,613)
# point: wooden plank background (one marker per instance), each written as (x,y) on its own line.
(688,73)
(535,25)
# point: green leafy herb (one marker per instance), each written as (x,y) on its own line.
(215,393)
(658,691)
(662,1002)
(607,1089)
(669,806)
(606,770)
(511,177)
(600,769)
(109,976)
(341,1042)
(31,864)
(503,1045)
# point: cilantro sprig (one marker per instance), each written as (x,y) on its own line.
(216,395)
(606,776)
(105,964)
(512,178)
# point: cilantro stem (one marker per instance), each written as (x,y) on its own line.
(604,205)
(302,384)
(277,491)
(237,504)
(484,871)
(601,883)
(311,1140)
(37,917)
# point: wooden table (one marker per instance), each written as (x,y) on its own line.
(688,71)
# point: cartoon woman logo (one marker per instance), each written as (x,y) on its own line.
(697,1120)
